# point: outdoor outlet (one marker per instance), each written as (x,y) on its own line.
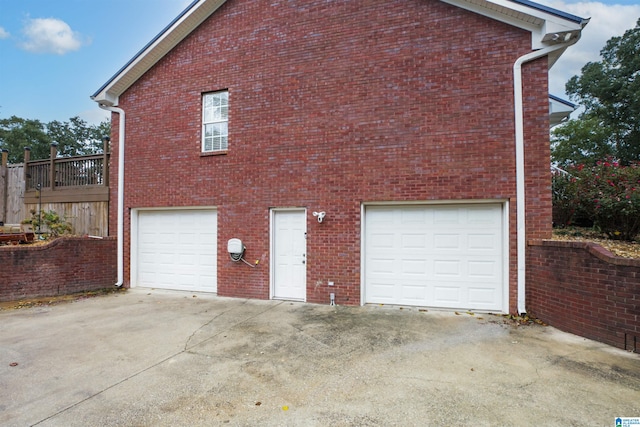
(330,283)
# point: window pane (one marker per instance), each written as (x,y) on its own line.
(219,129)
(223,98)
(220,143)
(216,114)
(208,101)
(215,137)
(208,115)
(208,144)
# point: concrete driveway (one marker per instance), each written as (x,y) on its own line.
(157,358)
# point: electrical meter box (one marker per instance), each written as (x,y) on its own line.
(235,246)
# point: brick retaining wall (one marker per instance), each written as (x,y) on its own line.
(583,289)
(64,266)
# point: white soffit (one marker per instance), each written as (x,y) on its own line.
(155,50)
(546,28)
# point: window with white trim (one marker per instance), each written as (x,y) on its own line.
(215,119)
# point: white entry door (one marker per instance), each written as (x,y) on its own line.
(289,254)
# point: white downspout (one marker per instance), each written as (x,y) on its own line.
(520,178)
(120,111)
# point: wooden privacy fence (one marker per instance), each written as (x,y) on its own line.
(76,188)
(11,191)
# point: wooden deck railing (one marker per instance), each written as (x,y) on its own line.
(68,172)
(67,178)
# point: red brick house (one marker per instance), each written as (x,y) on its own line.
(376,151)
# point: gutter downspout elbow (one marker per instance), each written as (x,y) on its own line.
(121,133)
(520,175)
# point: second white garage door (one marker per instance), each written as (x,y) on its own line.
(448,256)
(176,249)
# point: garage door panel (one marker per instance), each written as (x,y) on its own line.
(447,296)
(382,241)
(481,296)
(413,217)
(446,256)
(412,294)
(446,241)
(483,242)
(483,269)
(413,268)
(382,295)
(446,268)
(414,241)
(177,249)
(382,266)
(446,216)
(479,215)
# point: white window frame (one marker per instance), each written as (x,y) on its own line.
(215,121)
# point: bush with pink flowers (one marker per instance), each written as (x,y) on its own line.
(606,194)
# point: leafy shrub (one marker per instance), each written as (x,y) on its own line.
(565,198)
(51,222)
(607,193)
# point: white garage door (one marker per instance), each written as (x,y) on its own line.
(448,256)
(177,249)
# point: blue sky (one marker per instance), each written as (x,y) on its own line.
(55,54)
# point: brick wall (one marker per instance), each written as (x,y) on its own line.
(581,288)
(64,266)
(333,104)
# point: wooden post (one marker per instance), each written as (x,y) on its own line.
(105,160)
(4,177)
(52,165)
(25,169)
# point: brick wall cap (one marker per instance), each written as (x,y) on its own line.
(593,249)
(50,244)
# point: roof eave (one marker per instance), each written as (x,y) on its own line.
(148,56)
(547,26)
(559,110)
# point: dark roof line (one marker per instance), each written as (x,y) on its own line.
(527,3)
(551,10)
(563,101)
(141,51)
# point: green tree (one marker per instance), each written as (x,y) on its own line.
(609,91)
(582,141)
(17,133)
(74,137)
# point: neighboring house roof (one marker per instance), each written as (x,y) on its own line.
(547,26)
(559,110)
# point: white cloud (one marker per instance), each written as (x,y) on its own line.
(95,116)
(4,34)
(50,35)
(606,21)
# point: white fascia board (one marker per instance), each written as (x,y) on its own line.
(559,110)
(156,50)
(546,28)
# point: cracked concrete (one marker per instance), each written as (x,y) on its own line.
(157,358)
